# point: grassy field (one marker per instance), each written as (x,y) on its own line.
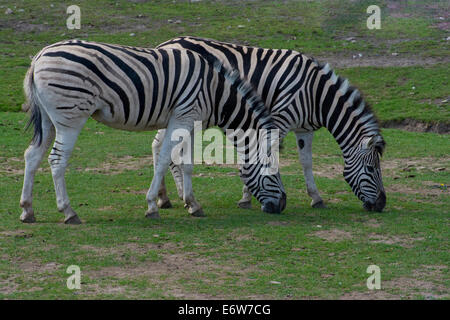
(303,253)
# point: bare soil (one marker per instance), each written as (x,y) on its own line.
(417,126)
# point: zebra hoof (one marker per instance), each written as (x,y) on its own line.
(245,204)
(72,220)
(28,218)
(199,213)
(319,205)
(164,204)
(152,215)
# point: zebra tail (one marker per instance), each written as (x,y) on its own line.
(32,106)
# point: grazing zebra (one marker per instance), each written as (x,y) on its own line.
(302,96)
(136,89)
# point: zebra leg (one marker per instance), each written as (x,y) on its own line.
(163,199)
(177,174)
(304,144)
(162,164)
(33,158)
(58,160)
(193,206)
(246,201)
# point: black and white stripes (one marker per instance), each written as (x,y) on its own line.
(303,96)
(136,89)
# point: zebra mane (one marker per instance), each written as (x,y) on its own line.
(245,89)
(355,96)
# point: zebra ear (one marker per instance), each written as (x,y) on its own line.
(376,143)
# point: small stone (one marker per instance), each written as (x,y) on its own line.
(241,26)
(275,282)
(394,54)
(8,11)
(132,34)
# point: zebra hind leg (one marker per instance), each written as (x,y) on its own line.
(33,158)
(304,145)
(66,136)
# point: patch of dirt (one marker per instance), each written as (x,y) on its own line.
(119,165)
(406,165)
(369,295)
(373,223)
(278,223)
(330,171)
(28,270)
(17,234)
(425,281)
(12,166)
(417,126)
(8,286)
(403,241)
(178,266)
(131,247)
(430,191)
(347,61)
(333,235)
(172,268)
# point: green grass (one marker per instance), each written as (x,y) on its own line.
(405,93)
(234,253)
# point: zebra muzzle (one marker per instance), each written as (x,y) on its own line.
(275,206)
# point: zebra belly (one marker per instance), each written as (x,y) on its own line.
(105,117)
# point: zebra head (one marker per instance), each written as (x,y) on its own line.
(261,175)
(267,188)
(362,171)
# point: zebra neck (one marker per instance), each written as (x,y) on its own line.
(345,113)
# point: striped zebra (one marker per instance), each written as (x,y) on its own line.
(302,96)
(136,89)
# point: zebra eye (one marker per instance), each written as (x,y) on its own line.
(370,169)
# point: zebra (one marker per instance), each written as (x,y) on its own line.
(136,89)
(302,96)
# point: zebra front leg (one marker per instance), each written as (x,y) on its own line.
(246,201)
(177,174)
(162,163)
(58,159)
(193,206)
(33,158)
(186,168)
(304,145)
(163,199)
